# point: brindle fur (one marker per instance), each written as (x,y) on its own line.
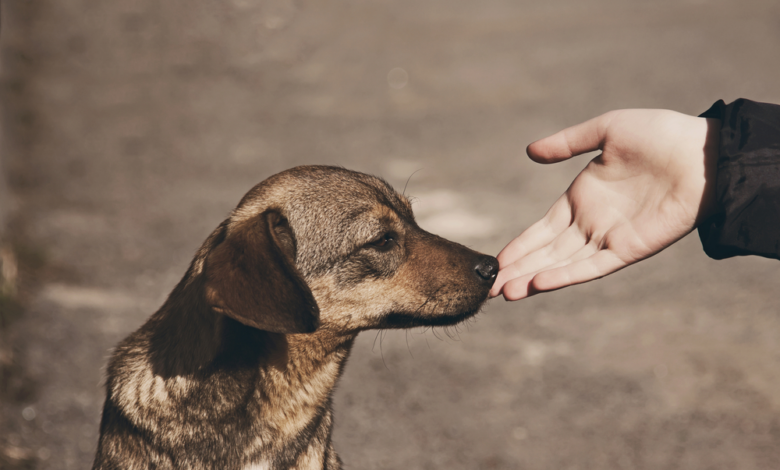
(236,370)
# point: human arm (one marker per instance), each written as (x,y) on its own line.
(748,182)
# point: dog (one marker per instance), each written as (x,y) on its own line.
(236,370)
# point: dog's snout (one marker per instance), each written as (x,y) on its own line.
(487,269)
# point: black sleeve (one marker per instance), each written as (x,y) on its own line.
(748,182)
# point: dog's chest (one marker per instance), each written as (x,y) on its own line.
(262,465)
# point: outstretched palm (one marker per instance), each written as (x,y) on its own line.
(650,186)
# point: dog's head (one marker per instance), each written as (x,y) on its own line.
(326,247)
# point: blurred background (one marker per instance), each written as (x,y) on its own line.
(130,129)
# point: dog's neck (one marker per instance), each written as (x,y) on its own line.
(186,337)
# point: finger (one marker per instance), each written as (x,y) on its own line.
(584,252)
(519,287)
(599,265)
(561,248)
(575,140)
(555,221)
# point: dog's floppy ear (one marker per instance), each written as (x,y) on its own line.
(251,277)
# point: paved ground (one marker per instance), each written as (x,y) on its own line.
(132,128)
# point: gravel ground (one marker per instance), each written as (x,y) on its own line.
(132,128)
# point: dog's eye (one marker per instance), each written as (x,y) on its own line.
(384,242)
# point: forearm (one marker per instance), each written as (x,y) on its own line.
(745,218)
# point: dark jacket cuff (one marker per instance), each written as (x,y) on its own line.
(747,183)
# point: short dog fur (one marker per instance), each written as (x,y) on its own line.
(236,370)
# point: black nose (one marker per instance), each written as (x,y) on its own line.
(486,269)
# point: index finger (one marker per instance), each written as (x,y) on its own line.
(555,221)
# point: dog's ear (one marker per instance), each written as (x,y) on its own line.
(251,277)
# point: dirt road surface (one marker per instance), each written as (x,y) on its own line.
(131,128)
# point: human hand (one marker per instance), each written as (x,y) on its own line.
(651,185)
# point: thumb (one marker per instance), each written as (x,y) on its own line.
(575,140)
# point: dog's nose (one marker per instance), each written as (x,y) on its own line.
(486,269)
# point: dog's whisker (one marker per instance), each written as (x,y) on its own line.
(409,179)
(426,338)
(381,351)
(433,330)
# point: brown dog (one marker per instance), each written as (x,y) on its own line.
(236,369)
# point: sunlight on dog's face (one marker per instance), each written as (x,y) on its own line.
(367,262)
